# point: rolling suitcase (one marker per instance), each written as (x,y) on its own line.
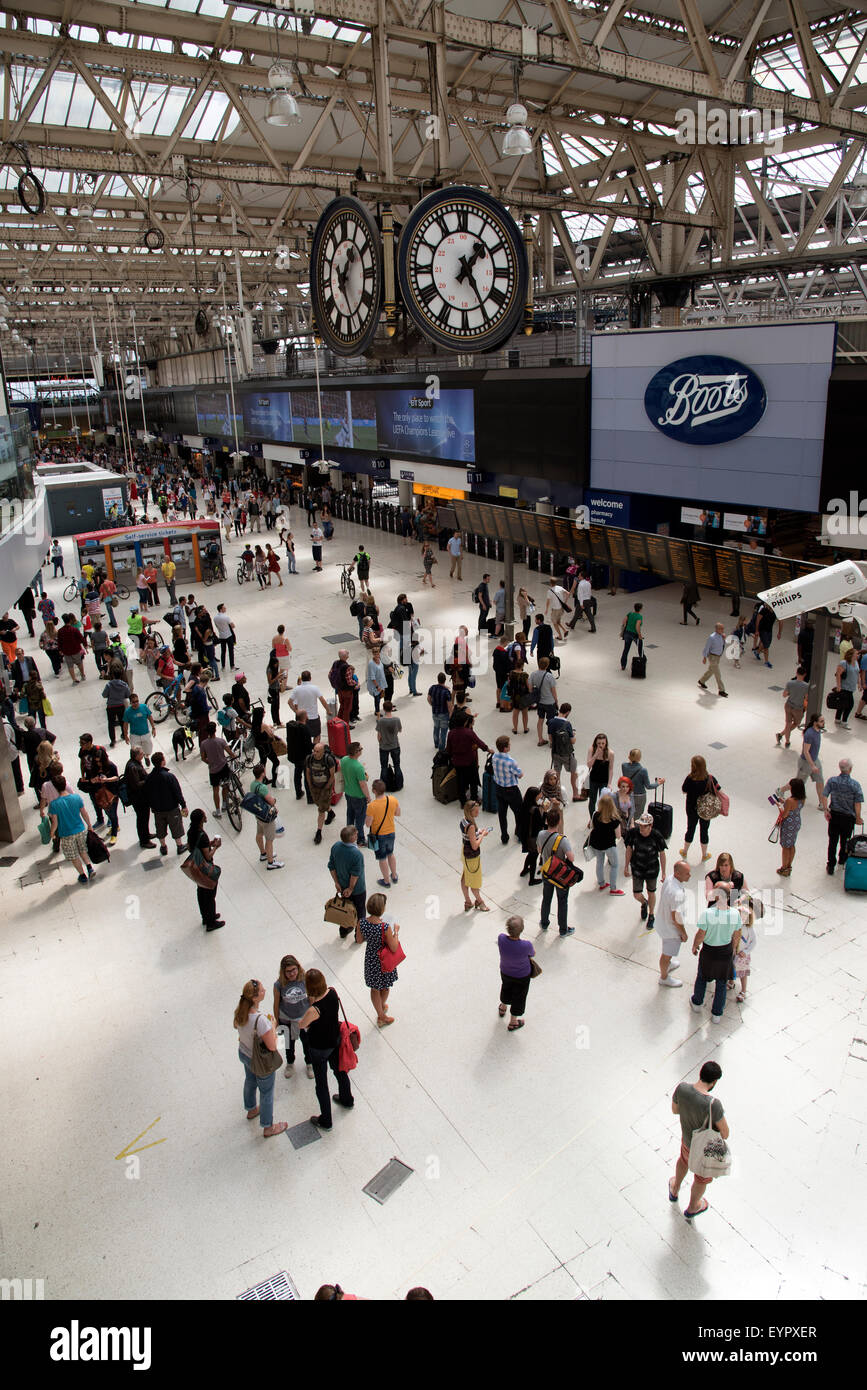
(393,780)
(489,789)
(663,816)
(855,873)
(444,779)
(338,737)
(639,668)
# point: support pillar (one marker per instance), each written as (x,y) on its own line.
(819,665)
(11,819)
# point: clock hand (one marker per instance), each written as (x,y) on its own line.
(479,250)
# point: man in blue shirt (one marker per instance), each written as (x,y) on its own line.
(506,776)
(844,812)
(710,657)
(346,866)
(439,697)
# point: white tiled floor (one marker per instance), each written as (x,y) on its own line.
(540,1159)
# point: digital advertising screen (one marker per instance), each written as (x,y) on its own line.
(214,416)
(268,415)
(743,524)
(363,417)
(410,422)
(336,424)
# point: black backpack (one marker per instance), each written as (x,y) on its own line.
(561,744)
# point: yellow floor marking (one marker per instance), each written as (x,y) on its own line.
(125,1153)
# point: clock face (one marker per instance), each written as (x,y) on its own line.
(346,276)
(462,268)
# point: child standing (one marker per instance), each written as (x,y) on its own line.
(748,941)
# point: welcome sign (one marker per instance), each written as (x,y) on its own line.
(705,400)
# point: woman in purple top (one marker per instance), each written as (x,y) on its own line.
(514,972)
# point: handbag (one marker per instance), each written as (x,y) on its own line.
(279,746)
(832,699)
(47,707)
(197,875)
(589,851)
(724,803)
(390,959)
(709,1154)
(341,911)
(709,805)
(97,852)
(263,1061)
(774,837)
(45,830)
(373,840)
(256,804)
(350,1042)
(103,798)
(535,968)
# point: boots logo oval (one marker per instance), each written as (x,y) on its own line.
(705,400)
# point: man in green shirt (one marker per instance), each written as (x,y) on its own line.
(265,830)
(356,789)
(632,632)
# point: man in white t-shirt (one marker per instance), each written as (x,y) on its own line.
(583,599)
(455,549)
(556,605)
(306,696)
(670,922)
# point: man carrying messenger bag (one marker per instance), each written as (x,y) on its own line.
(346,866)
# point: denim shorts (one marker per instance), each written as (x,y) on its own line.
(386,846)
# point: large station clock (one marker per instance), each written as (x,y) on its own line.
(346,276)
(462,270)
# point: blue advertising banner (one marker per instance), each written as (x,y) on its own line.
(705,400)
(269,416)
(607,508)
(409,421)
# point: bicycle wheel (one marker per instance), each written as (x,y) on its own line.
(122,591)
(211,699)
(241,574)
(350,588)
(207,577)
(158,706)
(232,802)
(247,754)
(182,715)
(343,581)
(70,592)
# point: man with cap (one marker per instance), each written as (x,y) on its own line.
(645,859)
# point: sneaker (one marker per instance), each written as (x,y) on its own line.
(281,830)
(218,815)
(683,852)
(674,964)
(215,926)
(723,694)
(276,864)
(262,858)
(644,912)
(769,666)
(670,983)
(163,849)
(696,1008)
(705,857)
(504,839)
(82,878)
(329,818)
(716,1018)
(570,931)
(543,926)
(650,921)
(394,878)
(615,892)
(347,1104)
(601,887)
(829,869)
(90,870)
(288,1069)
(317,838)
(112,839)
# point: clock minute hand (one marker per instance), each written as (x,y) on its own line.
(466,273)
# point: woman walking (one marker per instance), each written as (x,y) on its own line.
(697,784)
(640,779)
(604,834)
(515,972)
(322,1025)
(790,823)
(809,765)
(471,858)
(530,825)
(202,849)
(600,760)
(526,610)
(250,1021)
(519,694)
(376,932)
(688,598)
(625,803)
(846,677)
(290,1006)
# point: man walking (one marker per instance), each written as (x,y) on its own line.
(135,777)
(645,860)
(319,770)
(115,693)
(507,774)
(632,631)
(356,790)
(166,800)
(482,596)
(557,605)
(584,603)
(710,657)
(844,812)
(670,923)
(692,1104)
(455,549)
(299,746)
(139,729)
(548,841)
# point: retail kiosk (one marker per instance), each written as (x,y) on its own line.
(124,549)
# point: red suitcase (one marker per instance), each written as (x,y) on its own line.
(338,737)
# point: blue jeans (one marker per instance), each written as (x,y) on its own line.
(320,1060)
(265,1087)
(440,730)
(109,609)
(611,855)
(356,810)
(719,993)
(628,639)
(290,561)
(412,676)
(562,905)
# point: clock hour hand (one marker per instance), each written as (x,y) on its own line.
(466,273)
(343,275)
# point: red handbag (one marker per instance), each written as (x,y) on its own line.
(390,959)
(350,1042)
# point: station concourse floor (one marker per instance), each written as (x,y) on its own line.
(540,1158)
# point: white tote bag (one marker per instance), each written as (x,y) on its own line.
(709,1154)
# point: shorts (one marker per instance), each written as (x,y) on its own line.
(222,776)
(569,764)
(669,945)
(76,660)
(805,772)
(640,881)
(169,820)
(317,553)
(142,741)
(267,829)
(386,846)
(321,798)
(794,712)
(73,846)
(684,1153)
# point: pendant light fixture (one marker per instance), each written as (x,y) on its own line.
(518,140)
(282,108)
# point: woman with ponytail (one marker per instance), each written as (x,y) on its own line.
(249,1021)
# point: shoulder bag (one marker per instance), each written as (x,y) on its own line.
(198,876)
(535,968)
(256,804)
(561,872)
(350,1042)
(709,1154)
(263,1061)
(373,840)
(709,805)
(341,911)
(390,959)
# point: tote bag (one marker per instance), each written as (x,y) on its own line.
(709,1154)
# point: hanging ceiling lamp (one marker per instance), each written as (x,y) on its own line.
(517,140)
(282,107)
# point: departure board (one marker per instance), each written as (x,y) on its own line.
(636,545)
(727,570)
(565,533)
(754,573)
(547,537)
(515,522)
(780,571)
(680,560)
(617,546)
(501,522)
(702,563)
(587,548)
(470,518)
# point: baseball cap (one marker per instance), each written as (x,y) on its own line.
(645,819)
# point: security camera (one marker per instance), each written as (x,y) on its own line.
(824,588)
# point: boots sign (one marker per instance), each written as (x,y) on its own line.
(705,400)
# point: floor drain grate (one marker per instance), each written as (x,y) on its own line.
(151,864)
(279,1288)
(28,879)
(386,1182)
(302,1135)
(342,637)
(7,860)
(718,746)
(778,688)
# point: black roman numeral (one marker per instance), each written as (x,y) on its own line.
(497,296)
(463,217)
(427,292)
(443,225)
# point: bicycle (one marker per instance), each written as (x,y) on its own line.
(243,748)
(169,700)
(213,573)
(347,583)
(76,587)
(245,573)
(233,793)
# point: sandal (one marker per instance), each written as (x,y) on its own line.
(481,907)
(690,1214)
(384,1022)
(275,1129)
(468,907)
(501,1010)
(251,1114)
(513,1027)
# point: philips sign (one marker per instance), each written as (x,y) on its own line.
(705,400)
